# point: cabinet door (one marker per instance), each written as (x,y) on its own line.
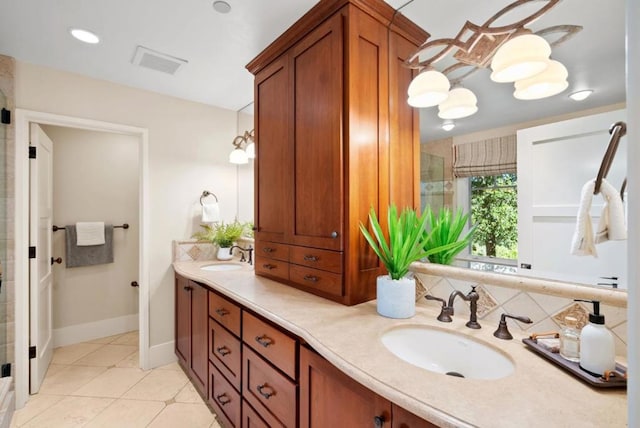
(199,335)
(273,152)
(318,176)
(329,398)
(404,419)
(183,320)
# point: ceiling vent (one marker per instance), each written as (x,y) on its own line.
(158,61)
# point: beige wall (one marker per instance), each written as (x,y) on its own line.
(189,145)
(95,178)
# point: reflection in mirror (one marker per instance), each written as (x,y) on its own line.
(3,233)
(245,183)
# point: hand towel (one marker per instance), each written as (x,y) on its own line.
(582,242)
(210,212)
(89,255)
(612,225)
(90,233)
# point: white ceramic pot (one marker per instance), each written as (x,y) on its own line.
(224,253)
(396,298)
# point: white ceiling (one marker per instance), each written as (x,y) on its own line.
(217,48)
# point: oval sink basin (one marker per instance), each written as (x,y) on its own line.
(218,267)
(445,352)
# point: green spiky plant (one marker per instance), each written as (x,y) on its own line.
(406,243)
(443,233)
(222,234)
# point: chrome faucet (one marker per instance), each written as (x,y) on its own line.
(242,253)
(471,297)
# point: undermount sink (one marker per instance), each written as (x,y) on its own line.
(446,352)
(219,267)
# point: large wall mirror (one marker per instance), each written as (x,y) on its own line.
(595,59)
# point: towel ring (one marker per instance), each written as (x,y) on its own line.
(205,194)
(617,131)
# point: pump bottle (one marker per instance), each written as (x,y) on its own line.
(597,346)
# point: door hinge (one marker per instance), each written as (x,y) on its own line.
(5,116)
(32,352)
(32,152)
(5,370)
(32,252)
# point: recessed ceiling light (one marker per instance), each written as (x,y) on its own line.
(448,125)
(84,36)
(221,6)
(581,95)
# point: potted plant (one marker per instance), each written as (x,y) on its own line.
(223,235)
(443,234)
(395,292)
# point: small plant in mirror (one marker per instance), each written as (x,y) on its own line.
(443,241)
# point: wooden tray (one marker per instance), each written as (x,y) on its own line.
(574,368)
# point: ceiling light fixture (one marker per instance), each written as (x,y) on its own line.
(221,7)
(241,155)
(513,52)
(85,36)
(581,95)
(448,125)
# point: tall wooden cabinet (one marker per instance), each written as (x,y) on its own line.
(335,137)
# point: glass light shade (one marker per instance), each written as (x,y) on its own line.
(550,82)
(520,58)
(239,157)
(428,89)
(251,150)
(460,103)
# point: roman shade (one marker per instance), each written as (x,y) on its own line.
(485,157)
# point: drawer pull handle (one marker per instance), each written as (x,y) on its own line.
(223,350)
(378,421)
(265,340)
(269,266)
(188,288)
(222,312)
(268,250)
(266,394)
(223,399)
(311,278)
(310,258)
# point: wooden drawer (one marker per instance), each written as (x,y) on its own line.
(263,385)
(223,398)
(325,282)
(225,312)
(272,250)
(268,341)
(319,259)
(224,353)
(251,418)
(271,267)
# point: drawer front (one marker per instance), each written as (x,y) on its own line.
(271,267)
(272,250)
(275,346)
(253,419)
(224,353)
(223,398)
(263,385)
(318,259)
(325,282)
(225,312)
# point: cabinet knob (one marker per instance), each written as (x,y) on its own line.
(135,284)
(311,278)
(334,234)
(57,260)
(378,421)
(188,288)
(265,340)
(223,350)
(268,266)
(266,391)
(268,250)
(222,312)
(310,258)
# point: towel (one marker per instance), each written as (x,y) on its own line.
(88,255)
(210,212)
(612,225)
(90,233)
(582,242)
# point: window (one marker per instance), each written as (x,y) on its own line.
(494,211)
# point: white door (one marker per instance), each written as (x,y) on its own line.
(40,275)
(554,162)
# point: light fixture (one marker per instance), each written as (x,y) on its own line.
(241,155)
(460,103)
(428,89)
(221,6)
(448,125)
(581,95)
(520,58)
(85,36)
(550,82)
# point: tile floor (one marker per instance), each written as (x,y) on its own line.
(98,384)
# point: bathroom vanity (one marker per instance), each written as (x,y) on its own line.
(277,356)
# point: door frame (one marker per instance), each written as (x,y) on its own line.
(21,214)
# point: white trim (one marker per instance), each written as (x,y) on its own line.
(94,330)
(162,354)
(21,210)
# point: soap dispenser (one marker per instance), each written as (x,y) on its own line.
(597,347)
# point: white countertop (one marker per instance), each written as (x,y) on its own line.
(537,394)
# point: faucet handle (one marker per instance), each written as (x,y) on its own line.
(445,312)
(502,332)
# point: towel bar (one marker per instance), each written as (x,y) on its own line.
(123,226)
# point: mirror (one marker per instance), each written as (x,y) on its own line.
(595,59)
(245,172)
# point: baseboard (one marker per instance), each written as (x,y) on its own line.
(7,402)
(162,354)
(94,330)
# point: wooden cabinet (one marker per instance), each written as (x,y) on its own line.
(192,330)
(335,137)
(401,418)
